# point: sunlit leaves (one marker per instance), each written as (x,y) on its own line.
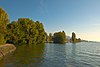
(4,20)
(26,31)
(59,37)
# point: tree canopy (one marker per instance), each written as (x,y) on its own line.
(59,37)
(73,37)
(50,37)
(4,20)
(25,31)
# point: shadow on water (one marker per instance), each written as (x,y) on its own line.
(25,57)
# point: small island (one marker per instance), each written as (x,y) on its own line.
(60,37)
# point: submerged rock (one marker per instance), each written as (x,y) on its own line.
(5,49)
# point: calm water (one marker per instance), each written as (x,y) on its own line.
(82,54)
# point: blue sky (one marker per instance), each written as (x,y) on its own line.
(79,16)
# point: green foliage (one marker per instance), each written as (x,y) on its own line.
(78,40)
(59,37)
(50,37)
(46,40)
(2,41)
(73,37)
(4,20)
(41,37)
(25,31)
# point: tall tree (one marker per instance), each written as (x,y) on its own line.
(50,37)
(4,20)
(73,37)
(41,32)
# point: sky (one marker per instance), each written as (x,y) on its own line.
(79,16)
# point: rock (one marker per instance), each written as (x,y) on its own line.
(5,49)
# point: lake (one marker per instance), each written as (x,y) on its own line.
(84,54)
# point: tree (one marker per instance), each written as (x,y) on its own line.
(25,31)
(4,20)
(50,37)
(41,32)
(64,36)
(59,37)
(78,40)
(73,37)
(47,37)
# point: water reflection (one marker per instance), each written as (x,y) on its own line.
(73,61)
(70,54)
(54,55)
(1,63)
(25,57)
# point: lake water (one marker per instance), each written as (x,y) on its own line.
(84,54)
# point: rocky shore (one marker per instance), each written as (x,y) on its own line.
(5,49)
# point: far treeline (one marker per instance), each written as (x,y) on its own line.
(60,37)
(26,31)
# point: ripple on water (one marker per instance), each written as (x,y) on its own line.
(55,55)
